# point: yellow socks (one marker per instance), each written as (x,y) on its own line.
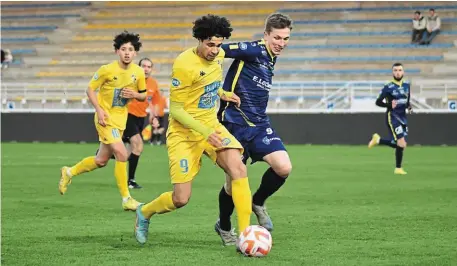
(162,204)
(86,165)
(120,172)
(241,195)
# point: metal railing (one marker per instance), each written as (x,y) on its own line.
(293,96)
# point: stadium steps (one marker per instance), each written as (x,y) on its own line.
(288,62)
(10,41)
(182,14)
(19,28)
(6,5)
(386,6)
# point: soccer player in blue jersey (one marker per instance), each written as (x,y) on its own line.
(250,77)
(395,96)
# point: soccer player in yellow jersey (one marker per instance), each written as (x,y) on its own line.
(117,83)
(194,129)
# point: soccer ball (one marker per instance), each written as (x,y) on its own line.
(255,241)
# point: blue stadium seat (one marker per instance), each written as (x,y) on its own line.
(45,5)
(363,21)
(341,71)
(372,9)
(23,51)
(44,16)
(357,33)
(356,58)
(29,39)
(29,28)
(366,46)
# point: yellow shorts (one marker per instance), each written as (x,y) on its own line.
(108,134)
(185,155)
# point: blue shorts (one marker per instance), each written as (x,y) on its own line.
(256,141)
(397,128)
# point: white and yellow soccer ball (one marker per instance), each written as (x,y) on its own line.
(255,241)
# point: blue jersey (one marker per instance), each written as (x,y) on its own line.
(399,91)
(249,77)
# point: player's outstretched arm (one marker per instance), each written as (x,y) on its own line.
(178,113)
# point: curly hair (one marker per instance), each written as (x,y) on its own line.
(127,37)
(211,26)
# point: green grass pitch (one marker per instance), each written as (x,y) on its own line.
(342,205)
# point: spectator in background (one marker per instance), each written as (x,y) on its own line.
(419,27)
(433,27)
(7,58)
(159,124)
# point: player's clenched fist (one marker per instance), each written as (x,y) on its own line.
(102,117)
(231,97)
(128,93)
(215,139)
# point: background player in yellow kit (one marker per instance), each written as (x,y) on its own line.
(194,129)
(118,82)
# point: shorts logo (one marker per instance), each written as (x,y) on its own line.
(95,76)
(269,131)
(226,141)
(267,140)
(175,82)
(243,46)
(399,130)
(115,133)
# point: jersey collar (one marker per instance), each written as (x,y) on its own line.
(399,83)
(268,49)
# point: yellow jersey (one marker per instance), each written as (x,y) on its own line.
(195,82)
(110,79)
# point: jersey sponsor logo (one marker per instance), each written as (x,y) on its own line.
(95,76)
(226,141)
(262,83)
(118,101)
(402,101)
(243,46)
(209,97)
(175,82)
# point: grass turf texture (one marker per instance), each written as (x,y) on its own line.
(341,206)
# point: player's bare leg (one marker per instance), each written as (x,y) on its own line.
(272,180)
(86,165)
(136,144)
(120,172)
(226,207)
(230,161)
(401,145)
(166,202)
